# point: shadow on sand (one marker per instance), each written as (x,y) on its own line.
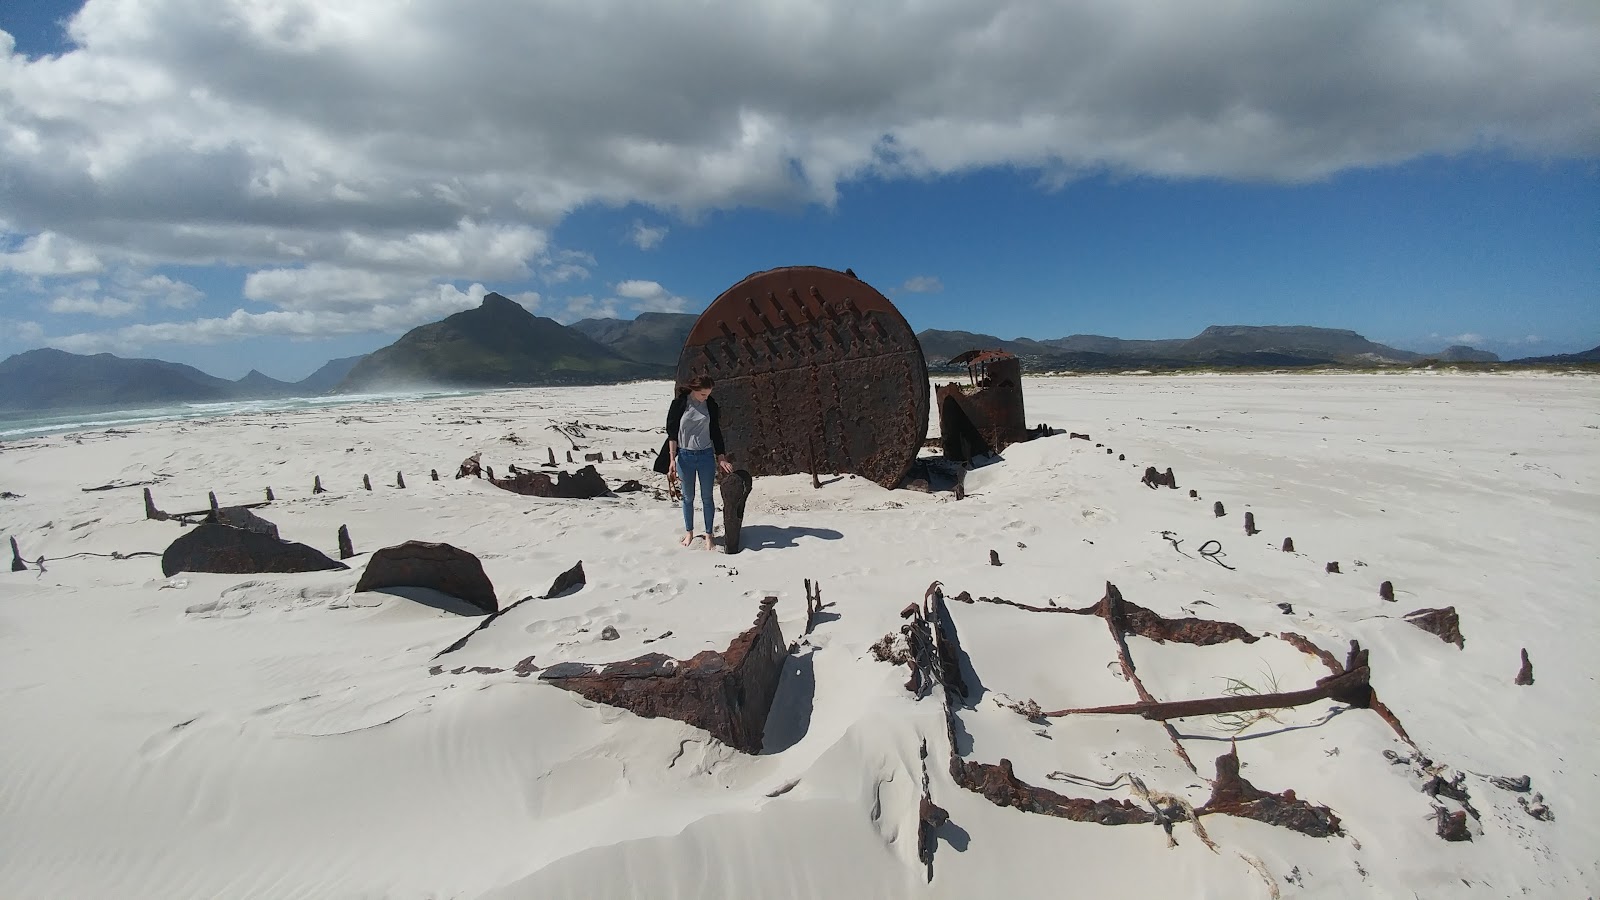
(435,599)
(781,537)
(790,716)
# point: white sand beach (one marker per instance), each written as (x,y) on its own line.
(282,736)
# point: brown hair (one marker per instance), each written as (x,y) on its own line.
(697,383)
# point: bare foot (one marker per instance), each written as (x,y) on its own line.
(711,543)
(688,538)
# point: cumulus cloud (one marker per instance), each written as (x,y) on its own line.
(124,293)
(1470,339)
(350,146)
(301,324)
(20,332)
(49,253)
(922,284)
(585,306)
(105,307)
(649,296)
(647,237)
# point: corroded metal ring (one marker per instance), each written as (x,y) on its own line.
(815,372)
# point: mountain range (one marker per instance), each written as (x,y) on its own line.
(502,344)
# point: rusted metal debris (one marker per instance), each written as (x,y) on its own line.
(816,372)
(1356,656)
(728,694)
(1250,528)
(1288,545)
(1231,794)
(1135,619)
(1154,479)
(441,567)
(985,415)
(1351,688)
(1525,674)
(999,785)
(1442,622)
(1332,568)
(346,548)
(17,565)
(215,547)
(571,578)
(1217,510)
(1452,825)
(471,467)
(1386,591)
(582,484)
(813,604)
(930,816)
(1234,796)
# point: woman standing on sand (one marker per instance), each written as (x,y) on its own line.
(695,451)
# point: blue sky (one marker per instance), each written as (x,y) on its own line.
(272,186)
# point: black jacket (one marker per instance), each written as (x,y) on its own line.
(675,417)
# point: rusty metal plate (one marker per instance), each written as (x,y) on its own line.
(816,372)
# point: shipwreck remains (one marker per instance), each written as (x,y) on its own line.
(216,546)
(446,569)
(580,485)
(985,415)
(824,373)
(728,694)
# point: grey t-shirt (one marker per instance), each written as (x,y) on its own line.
(694,429)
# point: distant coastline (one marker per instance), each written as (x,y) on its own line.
(18,425)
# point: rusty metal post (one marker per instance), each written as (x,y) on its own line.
(735,489)
(1386,591)
(400,480)
(316,486)
(212,496)
(552,452)
(1332,568)
(17,565)
(1288,545)
(270,498)
(366,482)
(1524,675)
(1217,510)
(150,511)
(488,471)
(1250,523)
(434,474)
(994,558)
(346,550)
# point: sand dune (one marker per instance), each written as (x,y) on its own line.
(283,736)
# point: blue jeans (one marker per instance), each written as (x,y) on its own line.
(697,465)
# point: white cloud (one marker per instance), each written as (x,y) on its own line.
(650,296)
(585,307)
(922,284)
(159,124)
(127,293)
(344,155)
(49,253)
(105,307)
(21,333)
(309,324)
(647,237)
(1470,339)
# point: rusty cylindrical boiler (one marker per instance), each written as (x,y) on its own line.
(816,372)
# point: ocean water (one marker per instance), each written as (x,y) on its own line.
(22,425)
